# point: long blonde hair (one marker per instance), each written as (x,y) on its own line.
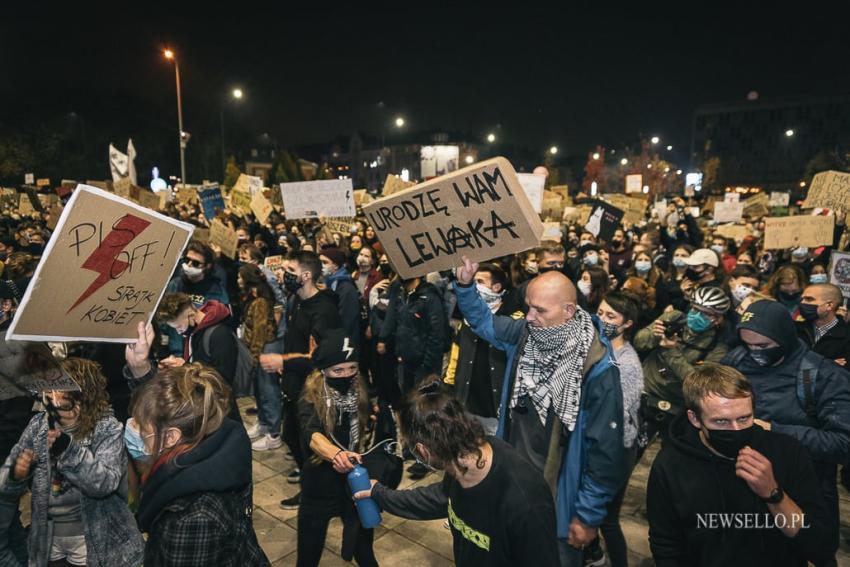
(193,399)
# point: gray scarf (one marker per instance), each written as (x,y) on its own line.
(550,367)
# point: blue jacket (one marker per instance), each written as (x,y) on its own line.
(343,286)
(592,469)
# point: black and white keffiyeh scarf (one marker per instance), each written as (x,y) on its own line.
(550,367)
(347,404)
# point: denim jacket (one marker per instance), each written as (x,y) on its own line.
(97,466)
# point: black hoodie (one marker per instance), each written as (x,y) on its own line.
(687,479)
(306,318)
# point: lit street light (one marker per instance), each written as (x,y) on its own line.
(237,93)
(182,136)
(789,132)
(399,122)
(649,166)
(595,155)
(553,150)
(491,138)
(469,159)
(678,172)
(624,161)
(669,148)
(655,139)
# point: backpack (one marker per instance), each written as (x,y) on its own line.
(243,377)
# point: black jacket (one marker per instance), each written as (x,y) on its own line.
(416,324)
(687,479)
(304,319)
(833,345)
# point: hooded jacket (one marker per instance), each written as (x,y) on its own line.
(306,318)
(416,325)
(696,505)
(197,506)
(349,302)
(584,468)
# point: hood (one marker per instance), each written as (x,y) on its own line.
(338,276)
(220,463)
(771,319)
(685,438)
(324,296)
(214,313)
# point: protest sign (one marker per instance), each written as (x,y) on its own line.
(274,262)
(634,183)
(261,207)
(830,190)
(249,184)
(25,207)
(122,187)
(533,185)
(27,368)
(563,191)
(201,235)
(342,226)
(29,178)
(225,238)
(803,230)
(313,199)
(660,209)
(551,232)
(552,206)
(394,184)
(186,194)
(104,270)
(255,185)
(731,197)
(633,207)
(45,182)
(839,271)
(240,201)
(480,211)
(361,197)
(211,200)
(779,199)
(757,206)
(577,215)
(149,199)
(603,221)
(736,232)
(728,211)
(102,185)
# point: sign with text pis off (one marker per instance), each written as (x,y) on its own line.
(104,270)
(480,211)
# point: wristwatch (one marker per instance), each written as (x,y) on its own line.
(775,496)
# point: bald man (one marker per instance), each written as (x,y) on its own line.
(561,405)
(822,329)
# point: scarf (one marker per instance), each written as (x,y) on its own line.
(550,367)
(346,404)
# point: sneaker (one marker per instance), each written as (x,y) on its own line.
(267,443)
(291,503)
(417,471)
(256,431)
(595,557)
(294,477)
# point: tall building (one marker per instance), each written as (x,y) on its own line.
(768,144)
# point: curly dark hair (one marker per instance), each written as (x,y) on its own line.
(435,418)
(92,396)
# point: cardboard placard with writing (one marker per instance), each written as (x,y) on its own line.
(202,235)
(533,185)
(314,199)
(839,271)
(122,187)
(577,215)
(225,238)
(45,182)
(149,199)
(104,270)
(361,197)
(634,208)
(29,178)
(634,183)
(551,232)
(728,211)
(341,226)
(553,207)
(603,221)
(480,211)
(394,184)
(274,262)
(802,230)
(830,190)
(211,200)
(736,232)
(779,199)
(25,207)
(240,201)
(255,185)
(731,197)
(757,206)
(186,194)
(563,191)
(261,207)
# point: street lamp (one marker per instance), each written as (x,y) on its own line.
(789,132)
(237,94)
(491,138)
(469,159)
(399,122)
(553,150)
(595,155)
(655,139)
(624,161)
(669,148)
(183,137)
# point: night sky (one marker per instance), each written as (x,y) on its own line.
(570,78)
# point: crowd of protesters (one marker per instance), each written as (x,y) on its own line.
(533,382)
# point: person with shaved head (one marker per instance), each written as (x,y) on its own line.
(561,403)
(822,329)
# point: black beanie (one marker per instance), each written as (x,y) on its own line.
(772,320)
(335,347)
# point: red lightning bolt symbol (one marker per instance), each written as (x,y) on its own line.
(104,260)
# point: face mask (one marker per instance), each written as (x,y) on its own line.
(363,261)
(291,282)
(616,243)
(801,252)
(326,270)
(673,219)
(790,298)
(693,275)
(584,288)
(591,259)
(643,266)
(679,262)
(741,292)
(814,278)
(531,267)
(355,247)
(134,442)
(808,311)
(386,270)
(583,243)
(717,248)
(611,330)
(191,271)
(767,356)
(698,321)
(341,385)
(729,442)
(490,297)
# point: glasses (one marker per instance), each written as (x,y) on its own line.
(193,263)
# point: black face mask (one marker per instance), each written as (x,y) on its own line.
(386,270)
(808,311)
(291,282)
(693,275)
(616,243)
(729,442)
(786,297)
(767,356)
(341,385)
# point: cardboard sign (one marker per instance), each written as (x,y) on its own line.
(249,184)
(736,232)
(757,206)
(603,221)
(29,178)
(341,226)
(314,199)
(53,216)
(27,368)
(732,197)
(225,238)
(274,262)
(103,185)
(728,211)
(551,232)
(186,194)
(255,185)
(202,235)
(361,197)
(149,199)
(839,271)
(634,183)
(563,191)
(533,185)
(790,232)
(394,184)
(42,182)
(25,207)
(634,208)
(552,206)
(480,211)
(240,201)
(122,187)
(211,199)
(261,207)
(577,215)
(104,270)
(830,190)
(779,199)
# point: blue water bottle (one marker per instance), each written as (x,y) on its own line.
(358,480)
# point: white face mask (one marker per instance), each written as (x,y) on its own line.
(531,267)
(326,270)
(191,271)
(741,292)
(490,297)
(583,243)
(584,287)
(364,261)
